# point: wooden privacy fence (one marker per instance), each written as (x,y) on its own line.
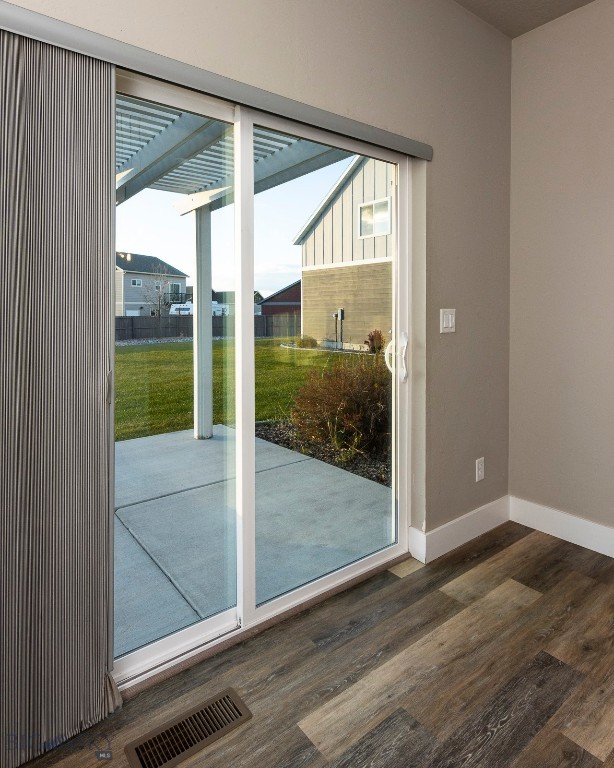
(276,326)
(128,328)
(175,326)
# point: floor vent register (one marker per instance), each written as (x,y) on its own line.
(188,733)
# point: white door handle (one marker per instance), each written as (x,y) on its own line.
(388,356)
(404,340)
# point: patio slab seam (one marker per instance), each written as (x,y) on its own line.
(313,518)
(163,570)
(205,485)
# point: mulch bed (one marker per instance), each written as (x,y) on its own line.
(376,467)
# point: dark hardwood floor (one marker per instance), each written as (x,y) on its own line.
(498,654)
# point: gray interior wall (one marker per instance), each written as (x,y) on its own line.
(427,69)
(56,214)
(562,265)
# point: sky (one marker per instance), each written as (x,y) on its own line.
(149,223)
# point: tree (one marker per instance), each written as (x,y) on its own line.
(156,293)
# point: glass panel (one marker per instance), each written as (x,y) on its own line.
(366,220)
(381,218)
(175,548)
(324,437)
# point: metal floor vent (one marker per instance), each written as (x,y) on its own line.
(178,739)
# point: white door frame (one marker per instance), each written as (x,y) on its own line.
(162,654)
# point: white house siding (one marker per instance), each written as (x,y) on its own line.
(334,238)
(119,293)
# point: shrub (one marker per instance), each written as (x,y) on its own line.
(346,407)
(375,341)
(306,342)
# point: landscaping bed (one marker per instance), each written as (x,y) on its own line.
(154,394)
(373,466)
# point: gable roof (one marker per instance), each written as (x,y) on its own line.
(281,290)
(340,184)
(149,265)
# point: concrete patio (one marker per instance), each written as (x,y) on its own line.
(175,546)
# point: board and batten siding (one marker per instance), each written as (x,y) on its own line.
(342,270)
(334,237)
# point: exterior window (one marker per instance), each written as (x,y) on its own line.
(136,282)
(174,291)
(158,285)
(374,218)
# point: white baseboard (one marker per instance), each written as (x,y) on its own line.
(417,544)
(426,547)
(577,530)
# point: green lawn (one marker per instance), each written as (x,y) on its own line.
(154,384)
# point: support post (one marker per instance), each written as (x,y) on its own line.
(203,341)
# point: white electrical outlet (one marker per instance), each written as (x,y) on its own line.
(479,469)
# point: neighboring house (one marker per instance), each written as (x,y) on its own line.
(286,301)
(347,247)
(146,285)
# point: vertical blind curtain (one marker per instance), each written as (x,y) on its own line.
(56,265)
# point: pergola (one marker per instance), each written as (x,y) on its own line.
(159,147)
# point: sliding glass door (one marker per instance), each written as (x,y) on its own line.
(259,368)
(324,251)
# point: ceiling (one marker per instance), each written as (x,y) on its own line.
(515,17)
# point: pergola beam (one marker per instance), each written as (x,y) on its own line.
(181,141)
(285,165)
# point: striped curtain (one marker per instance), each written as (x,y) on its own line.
(56,269)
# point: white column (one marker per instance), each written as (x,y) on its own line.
(244,366)
(203,342)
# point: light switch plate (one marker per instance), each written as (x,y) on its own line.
(447,321)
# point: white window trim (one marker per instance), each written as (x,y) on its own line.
(373,203)
(136,282)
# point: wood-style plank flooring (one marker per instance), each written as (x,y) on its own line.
(498,654)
